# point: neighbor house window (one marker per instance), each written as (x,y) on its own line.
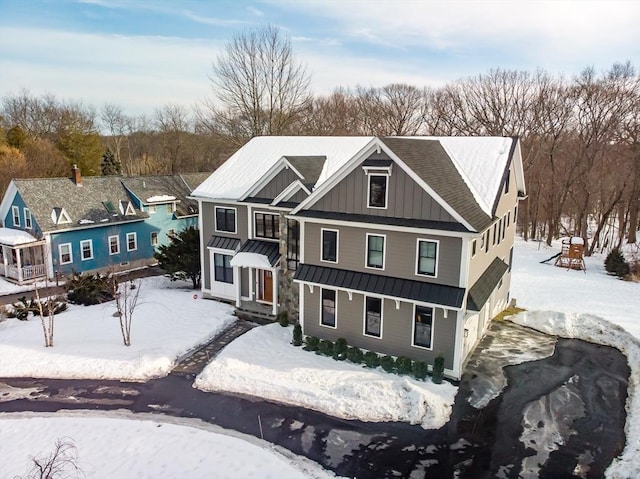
(427,257)
(152,209)
(267,226)
(328,308)
(293,244)
(506,183)
(132,241)
(114,245)
(223,271)
(226,219)
(377,191)
(373,317)
(171,207)
(16,215)
(86,249)
(423,327)
(154,238)
(474,247)
(495,236)
(171,233)
(375,251)
(486,241)
(64,251)
(27,218)
(330,245)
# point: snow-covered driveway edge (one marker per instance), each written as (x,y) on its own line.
(600,331)
(262,363)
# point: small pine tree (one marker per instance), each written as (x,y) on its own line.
(438,369)
(181,258)
(297,335)
(110,166)
(616,264)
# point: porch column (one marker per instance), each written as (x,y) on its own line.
(237,276)
(252,283)
(19,264)
(274,307)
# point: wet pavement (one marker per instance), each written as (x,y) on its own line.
(560,415)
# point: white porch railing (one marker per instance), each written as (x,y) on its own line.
(29,273)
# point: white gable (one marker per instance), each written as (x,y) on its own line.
(251,162)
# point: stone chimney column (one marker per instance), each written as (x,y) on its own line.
(76,176)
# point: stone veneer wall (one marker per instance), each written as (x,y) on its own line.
(288,290)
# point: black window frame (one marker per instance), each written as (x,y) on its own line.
(222,273)
(328,245)
(373,311)
(293,244)
(420,313)
(433,274)
(225,218)
(377,199)
(323,306)
(270,225)
(369,251)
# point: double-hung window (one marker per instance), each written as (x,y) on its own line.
(377,197)
(27,218)
(267,225)
(375,251)
(328,308)
(86,249)
(114,245)
(15,211)
(423,327)
(154,238)
(64,252)
(226,219)
(132,241)
(428,258)
(223,271)
(329,245)
(373,317)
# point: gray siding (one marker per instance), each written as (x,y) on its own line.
(397,327)
(299,197)
(400,252)
(405,198)
(277,184)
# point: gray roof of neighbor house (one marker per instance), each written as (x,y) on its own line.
(96,201)
(178,186)
(429,160)
(479,293)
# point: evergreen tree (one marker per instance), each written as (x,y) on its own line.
(181,258)
(110,166)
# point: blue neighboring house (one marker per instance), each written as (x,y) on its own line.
(54,226)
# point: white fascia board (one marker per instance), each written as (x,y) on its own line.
(277,167)
(203,271)
(289,191)
(342,172)
(427,188)
(7,199)
(385,227)
(518,168)
(382,296)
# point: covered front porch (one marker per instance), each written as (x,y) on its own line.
(22,257)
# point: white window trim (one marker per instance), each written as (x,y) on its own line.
(28,223)
(117,237)
(235,219)
(60,253)
(153,209)
(82,249)
(151,238)
(386,190)
(135,240)
(424,275)
(171,208)
(413,327)
(322,230)
(223,252)
(364,317)
(384,251)
(335,312)
(129,210)
(15,211)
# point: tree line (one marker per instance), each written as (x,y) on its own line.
(580,137)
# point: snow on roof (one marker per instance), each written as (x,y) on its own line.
(251,260)
(247,165)
(159,198)
(11,237)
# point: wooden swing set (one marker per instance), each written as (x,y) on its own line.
(572,254)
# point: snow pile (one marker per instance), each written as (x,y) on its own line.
(160,198)
(598,330)
(204,450)
(167,322)
(263,363)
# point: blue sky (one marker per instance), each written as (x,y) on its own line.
(146,53)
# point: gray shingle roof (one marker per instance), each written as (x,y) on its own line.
(145,187)
(431,163)
(384,285)
(309,166)
(84,204)
(486,283)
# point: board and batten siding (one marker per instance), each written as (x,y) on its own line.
(277,184)
(400,252)
(397,327)
(406,199)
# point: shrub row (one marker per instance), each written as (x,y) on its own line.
(340,351)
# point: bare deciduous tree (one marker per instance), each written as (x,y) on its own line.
(126,295)
(61,463)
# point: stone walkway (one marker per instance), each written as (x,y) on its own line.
(195,361)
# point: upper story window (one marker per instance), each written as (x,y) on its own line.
(152,209)
(377,194)
(225,219)
(427,258)
(474,247)
(506,183)
(329,246)
(171,207)
(27,218)
(293,244)
(15,211)
(375,251)
(267,225)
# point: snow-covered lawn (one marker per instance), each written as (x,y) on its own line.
(263,363)
(594,307)
(144,446)
(167,322)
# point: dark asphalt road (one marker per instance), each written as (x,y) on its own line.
(476,444)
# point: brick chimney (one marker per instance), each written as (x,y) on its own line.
(76,176)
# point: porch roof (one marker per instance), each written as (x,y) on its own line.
(13,237)
(486,283)
(257,254)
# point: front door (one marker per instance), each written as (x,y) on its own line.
(265,285)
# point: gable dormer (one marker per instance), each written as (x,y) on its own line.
(59,216)
(126,208)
